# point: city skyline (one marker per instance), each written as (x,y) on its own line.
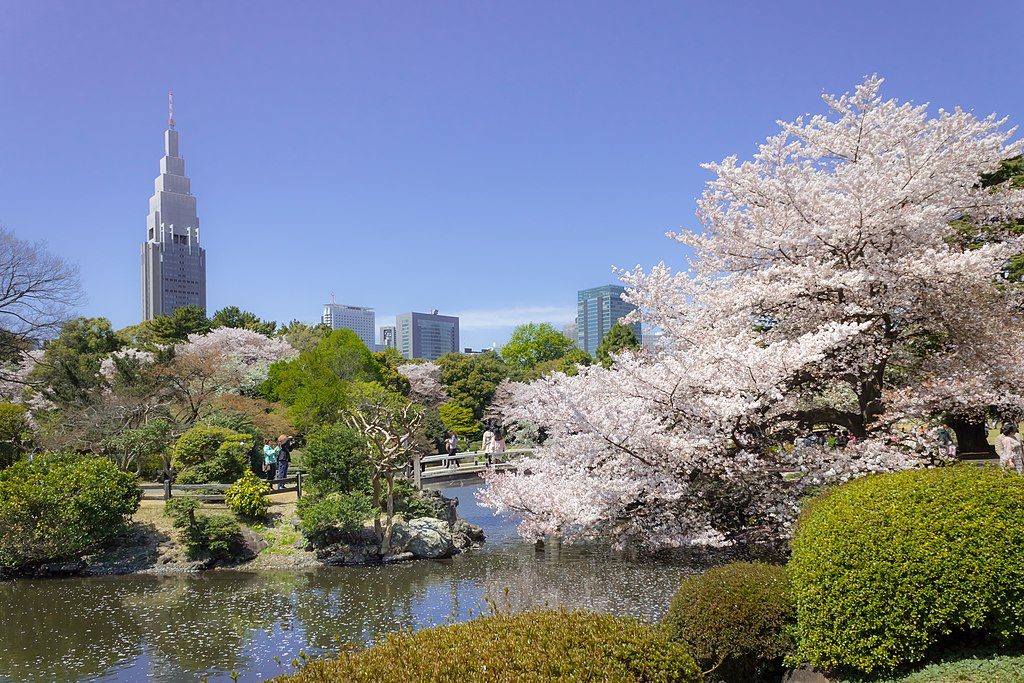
(484,162)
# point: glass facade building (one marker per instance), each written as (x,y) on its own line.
(426,335)
(597,309)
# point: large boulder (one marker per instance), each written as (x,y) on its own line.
(424,537)
(466,535)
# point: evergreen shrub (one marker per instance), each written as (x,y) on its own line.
(215,536)
(335,517)
(735,619)
(207,454)
(335,459)
(888,566)
(248,496)
(59,506)
(532,647)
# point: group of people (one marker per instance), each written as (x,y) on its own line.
(276,458)
(827,440)
(493,442)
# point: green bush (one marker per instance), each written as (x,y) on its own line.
(735,620)
(526,648)
(215,536)
(211,455)
(885,567)
(59,506)
(335,459)
(338,516)
(14,432)
(248,496)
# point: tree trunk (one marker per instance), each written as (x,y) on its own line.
(376,511)
(390,480)
(971,435)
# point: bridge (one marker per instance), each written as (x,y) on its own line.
(434,472)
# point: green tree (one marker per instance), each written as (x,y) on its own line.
(618,338)
(15,433)
(459,419)
(176,327)
(535,343)
(128,447)
(317,384)
(70,365)
(233,316)
(471,379)
(335,459)
(302,336)
(568,364)
(388,361)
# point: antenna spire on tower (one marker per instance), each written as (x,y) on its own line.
(332,297)
(170,109)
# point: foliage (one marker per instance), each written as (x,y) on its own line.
(824,262)
(734,619)
(211,454)
(964,664)
(70,366)
(471,379)
(215,536)
(248,496)
(303,337)
(619,338)
(424,383)
(255,416)
(128,448)
(344,513)
(410,504)
(391,379)
(568,364)
(533,647)
(335,459)
(904,561)
(178,326)
(232,316)
(458,419)
(317,384)
(535,343)
(15,432)
(59,506)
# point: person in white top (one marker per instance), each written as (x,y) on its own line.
(498,445)
(1011,451)
(487,446)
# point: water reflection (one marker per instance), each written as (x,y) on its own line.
(181,628)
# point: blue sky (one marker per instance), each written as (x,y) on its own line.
(486,159)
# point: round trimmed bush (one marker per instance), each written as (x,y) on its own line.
(335,517)
(885,567)
(60,506)
(734,618)
(527,648)
(248,496)
(204,455)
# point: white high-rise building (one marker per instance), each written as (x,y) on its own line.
(359,319)
(173,264)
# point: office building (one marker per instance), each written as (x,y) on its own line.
(359,319)
(597,310)
(426,335)
(388,337)
(572,331)
(173,265)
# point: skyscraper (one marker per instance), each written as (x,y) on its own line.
(388,337)
(597,310)
(173,264)
(427,335)
(359,319)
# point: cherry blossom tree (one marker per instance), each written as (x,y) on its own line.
(827,286)
(424,383)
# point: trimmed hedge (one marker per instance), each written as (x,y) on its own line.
(735,620)
(60,506)
(205,455)
(885,567)
(528,648)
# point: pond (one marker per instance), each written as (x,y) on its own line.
(191,626)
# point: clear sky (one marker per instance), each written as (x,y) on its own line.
(487,159)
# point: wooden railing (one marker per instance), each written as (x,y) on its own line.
(444,466)
(214,492)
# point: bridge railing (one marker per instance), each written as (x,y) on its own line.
(468,462)
(215,492)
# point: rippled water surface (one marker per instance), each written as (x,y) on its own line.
(186,627)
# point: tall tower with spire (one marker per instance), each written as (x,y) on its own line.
(173,263)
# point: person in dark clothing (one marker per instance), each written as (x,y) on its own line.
(284,457)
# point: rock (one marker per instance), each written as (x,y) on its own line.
(251,544)
(444,508)
(69,568)
(466,535)
(399,557)
(424,537)
(805,675)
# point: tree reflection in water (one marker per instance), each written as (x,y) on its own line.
(181,628)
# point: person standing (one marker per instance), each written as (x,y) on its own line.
(947,447)
(284,457)
(452,446)
(488,444)
(270,453)
(1011,451)
(498,446)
